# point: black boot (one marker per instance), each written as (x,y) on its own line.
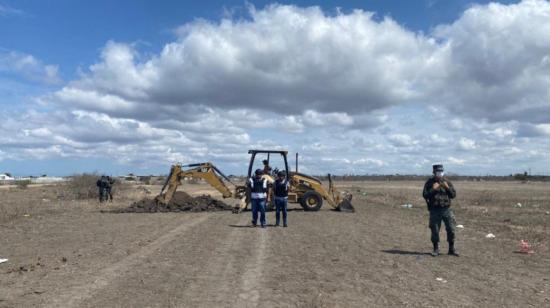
(452,250)
(435,252)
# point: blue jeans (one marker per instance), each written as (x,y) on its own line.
(280,205)
(258,205)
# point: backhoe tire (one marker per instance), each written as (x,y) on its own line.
(311,201)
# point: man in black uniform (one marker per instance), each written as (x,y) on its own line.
(438,192)
(103,186)
(257,186)
(280,187)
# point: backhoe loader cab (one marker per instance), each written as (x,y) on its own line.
(304,189)
(268,158)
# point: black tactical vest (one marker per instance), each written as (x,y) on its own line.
(258,185)
(281,188)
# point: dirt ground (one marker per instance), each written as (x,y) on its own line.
(71,254)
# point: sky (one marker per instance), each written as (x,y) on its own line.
(355,87)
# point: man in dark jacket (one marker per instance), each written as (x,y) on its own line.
(280,190)
(257,186)
(438,192)
(103,186)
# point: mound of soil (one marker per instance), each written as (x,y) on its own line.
(181,202)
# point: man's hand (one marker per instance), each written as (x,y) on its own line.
(436,185)
(445,185)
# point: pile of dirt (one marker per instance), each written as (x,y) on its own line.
(181,202)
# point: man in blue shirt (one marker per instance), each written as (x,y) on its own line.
(280,188)
(258,196)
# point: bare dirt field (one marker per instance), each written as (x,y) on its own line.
(65,253)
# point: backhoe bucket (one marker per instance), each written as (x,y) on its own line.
(345,206)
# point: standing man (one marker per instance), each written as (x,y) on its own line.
(281,197)
(438,192)
(102,184)
(258,196)
(111,182)
(267,168)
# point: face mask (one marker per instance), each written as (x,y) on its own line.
(439,174)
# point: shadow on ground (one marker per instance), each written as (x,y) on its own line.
(405,252)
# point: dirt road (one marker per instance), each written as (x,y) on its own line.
(76,256)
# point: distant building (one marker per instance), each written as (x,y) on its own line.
(6,177)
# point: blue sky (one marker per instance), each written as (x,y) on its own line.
(355,87)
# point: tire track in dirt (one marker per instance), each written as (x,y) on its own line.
(206,267)
(217,287)
(79,293)
(235,269)
(251,285)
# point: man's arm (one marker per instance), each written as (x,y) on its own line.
(428,190)
(451,192)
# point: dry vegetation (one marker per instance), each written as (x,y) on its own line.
(25,199)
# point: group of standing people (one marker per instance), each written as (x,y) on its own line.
(105,186)
(258,187)
(438,192)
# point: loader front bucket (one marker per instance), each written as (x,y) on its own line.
(343,200)
(345,206)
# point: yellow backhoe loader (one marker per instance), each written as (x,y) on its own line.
(304,189)
(206,171)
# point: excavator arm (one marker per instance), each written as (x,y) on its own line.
(206,171)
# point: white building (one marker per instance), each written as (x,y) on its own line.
(5,177)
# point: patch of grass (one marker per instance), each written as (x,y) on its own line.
(81,187)
(22,184)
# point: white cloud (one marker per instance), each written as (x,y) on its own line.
(315,118)
(490,63)
(369,161)
(456,124)
(402,140)
(529,130)
(29,67)
(467,144)
(456,161)
(285,59)
(497,62)
(499,132)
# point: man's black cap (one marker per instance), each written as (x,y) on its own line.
(437,167)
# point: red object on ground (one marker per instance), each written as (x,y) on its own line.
(524,247)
